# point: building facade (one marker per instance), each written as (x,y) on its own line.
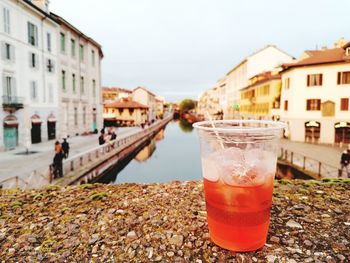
(261,96)
(29,70)
(147,98)
(124,112)
(79,81)
(315,96)
(266,59)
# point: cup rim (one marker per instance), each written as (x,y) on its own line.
(273,126)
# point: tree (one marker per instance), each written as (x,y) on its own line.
(187,104)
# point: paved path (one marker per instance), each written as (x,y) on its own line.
(12,164)
(325,154)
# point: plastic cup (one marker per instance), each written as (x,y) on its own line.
(239,165)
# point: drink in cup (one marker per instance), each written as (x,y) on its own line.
(238,165)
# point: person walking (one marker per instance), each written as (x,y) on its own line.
(57,161)
(345,162)
(65,148)
(101,138)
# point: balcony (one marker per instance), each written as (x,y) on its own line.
(12,102)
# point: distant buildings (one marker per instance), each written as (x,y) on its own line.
(146,97)
(50,76)
(310,94)
(265,59)
(315,96)
(124,112)
(124,107)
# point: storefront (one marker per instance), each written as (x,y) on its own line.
(312,131)
(36,129)
(51,127)
(10,132)
(342,132)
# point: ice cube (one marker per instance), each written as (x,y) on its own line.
(210,168)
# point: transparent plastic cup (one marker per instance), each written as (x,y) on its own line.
(239,164)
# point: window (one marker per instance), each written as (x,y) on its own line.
(75,116)
(9,86)
(343,77)
(63,78)
(33,60)
(286,83)
(48,42)
(81,53)
(32,34)
(94,88)
(72,44)
(82,89)
(63,42)
(50,65)
(6,15)
(74,84)
(33,91)
(344,104)
(314,80)
(93,57)
(286,105)
(7,51)
(313,104)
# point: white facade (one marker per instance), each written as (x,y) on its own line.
(313,125)
(28,69)
(145,97)
(79,81)
(265,59)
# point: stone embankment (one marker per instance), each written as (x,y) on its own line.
(310,222)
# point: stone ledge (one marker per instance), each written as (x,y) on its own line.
(310,222)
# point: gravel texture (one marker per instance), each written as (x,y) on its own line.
(310,222)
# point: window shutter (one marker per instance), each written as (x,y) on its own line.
(338,79)
(4,87)
(36,61)
(28,28)
(30,60)
(36,35)
(13,86)
(321,77)
(308,104)
(308,80)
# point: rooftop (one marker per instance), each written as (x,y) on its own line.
(117,89)
(324,56)
(126,104)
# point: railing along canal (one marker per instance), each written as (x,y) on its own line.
(307,164)
(43,175)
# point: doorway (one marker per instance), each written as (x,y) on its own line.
(51,130)
(312,131)
(10,132)
(342,132)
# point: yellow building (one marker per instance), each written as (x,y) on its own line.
(160,107)
(124,113)
(262,94)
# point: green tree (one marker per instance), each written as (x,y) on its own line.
(187,104)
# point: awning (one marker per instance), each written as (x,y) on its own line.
(36,119)
(10,121)
(342,124)
(51,118)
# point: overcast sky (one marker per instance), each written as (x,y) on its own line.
(179,48)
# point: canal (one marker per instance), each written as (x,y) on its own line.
(173,154)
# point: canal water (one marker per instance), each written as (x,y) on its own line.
(173,154)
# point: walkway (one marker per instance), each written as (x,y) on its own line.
(325,154)
(13,164)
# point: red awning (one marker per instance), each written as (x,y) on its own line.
(10,121)
(36,119)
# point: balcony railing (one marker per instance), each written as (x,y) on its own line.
(12,101)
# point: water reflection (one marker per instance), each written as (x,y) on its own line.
(172,154)
(185,125)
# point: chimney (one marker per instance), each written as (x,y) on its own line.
(42,4)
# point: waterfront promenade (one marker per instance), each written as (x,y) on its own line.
(323,153)
(13,164)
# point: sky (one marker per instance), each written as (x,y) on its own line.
(180,48)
